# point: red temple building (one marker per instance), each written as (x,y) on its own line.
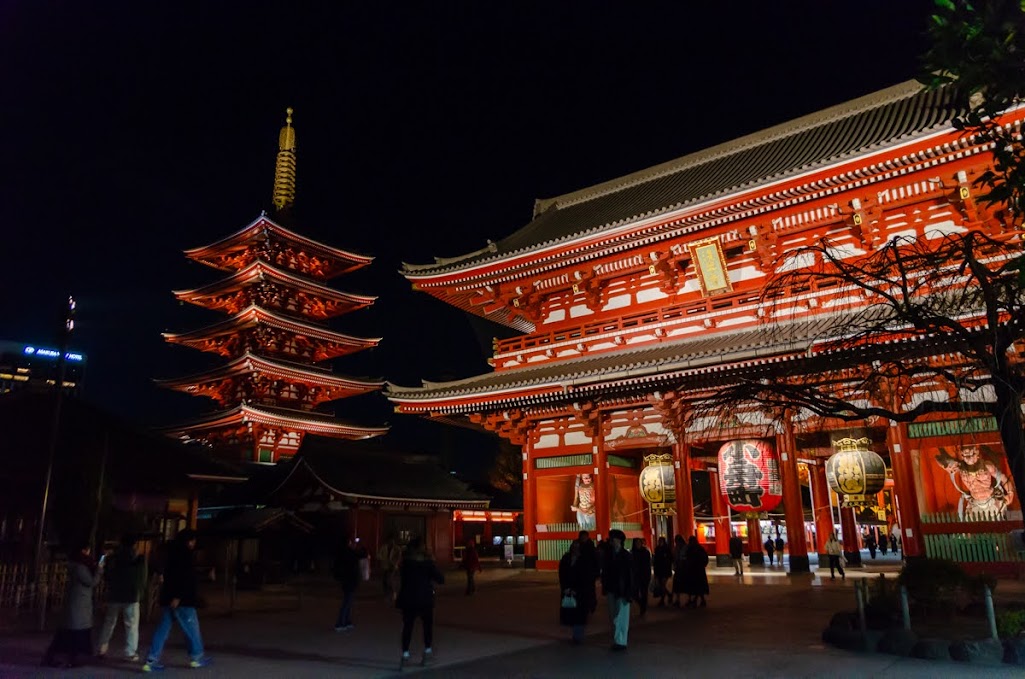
(275,339)
(638,296)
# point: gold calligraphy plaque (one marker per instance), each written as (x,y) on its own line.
(710,264)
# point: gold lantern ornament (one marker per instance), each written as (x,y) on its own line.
(855,472)
(658,483)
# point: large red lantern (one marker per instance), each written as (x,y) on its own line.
(749,476)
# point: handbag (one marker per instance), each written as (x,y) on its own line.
(569,601)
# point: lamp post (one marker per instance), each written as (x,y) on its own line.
(69,325)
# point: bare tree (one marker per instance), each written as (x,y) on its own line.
(928,325)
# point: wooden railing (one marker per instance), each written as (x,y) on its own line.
(974,547)
(552,550)
(625,322)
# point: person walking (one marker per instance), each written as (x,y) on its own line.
(591,565)
(346,572)
(835,552)
(870,542)
(679,555)
(417,576)
(617,585)
(178,599)
(388,557)
(780,546)
(125,577)
(641,557)
(576,580)
(770,549)
(737,554)
(883,543)
(695,579)
(471,564)
(73,639)
(662,562)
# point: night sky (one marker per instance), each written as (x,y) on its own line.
(133,131)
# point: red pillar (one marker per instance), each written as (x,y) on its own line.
(602,518)
(793,504)
(851,538)
(911,541)
(720,520)
(529,506)
(823,516)
(684,491)
(756,556)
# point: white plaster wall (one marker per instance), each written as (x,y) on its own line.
(547,441)
(650,295)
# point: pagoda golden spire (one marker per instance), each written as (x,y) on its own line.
(284,168)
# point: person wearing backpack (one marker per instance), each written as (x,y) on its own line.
(417,576)
(125,577)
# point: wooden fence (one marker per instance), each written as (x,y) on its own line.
(974,547)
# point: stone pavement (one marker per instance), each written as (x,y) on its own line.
(764,625)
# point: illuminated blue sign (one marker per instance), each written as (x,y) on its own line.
(52,353)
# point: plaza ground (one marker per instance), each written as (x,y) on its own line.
(767,624)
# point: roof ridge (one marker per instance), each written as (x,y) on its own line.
(876,99)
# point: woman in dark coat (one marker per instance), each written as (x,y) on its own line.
(576,579)
(695,580)
(663,565)
(641,558)
(74,636)
(417,576)
(679,555)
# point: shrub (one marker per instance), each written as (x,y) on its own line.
(1010,623)
(933,583)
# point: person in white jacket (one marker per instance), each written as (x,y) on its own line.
(835,551)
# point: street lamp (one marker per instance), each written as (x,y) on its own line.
(69,325)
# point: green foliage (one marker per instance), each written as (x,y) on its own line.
(1010,623)
(981,48)
(933,583)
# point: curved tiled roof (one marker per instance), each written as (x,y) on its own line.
(707,350)
(893,115)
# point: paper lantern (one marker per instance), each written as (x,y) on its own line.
(855,473)
(749,476)
(658,483)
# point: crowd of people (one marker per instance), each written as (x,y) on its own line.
(125,579)
(628,576)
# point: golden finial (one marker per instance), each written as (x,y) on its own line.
(284,169)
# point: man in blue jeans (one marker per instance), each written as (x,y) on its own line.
(178,598)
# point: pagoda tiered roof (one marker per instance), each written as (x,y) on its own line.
(224,383)
(237,421)
(275,335)
(267,240)
(310,298)
(294,339)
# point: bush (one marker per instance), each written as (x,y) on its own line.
(1010,623)
(933,584)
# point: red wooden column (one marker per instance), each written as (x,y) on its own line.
(529,504)
(793,504)
(720,520)
(823,516)
(755,555)
(851,538)
(911,540)
(684,490)
(602,515)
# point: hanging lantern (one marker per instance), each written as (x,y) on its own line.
(749,476)
(658,483)
(855,472)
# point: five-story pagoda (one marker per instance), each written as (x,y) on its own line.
(275,339)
